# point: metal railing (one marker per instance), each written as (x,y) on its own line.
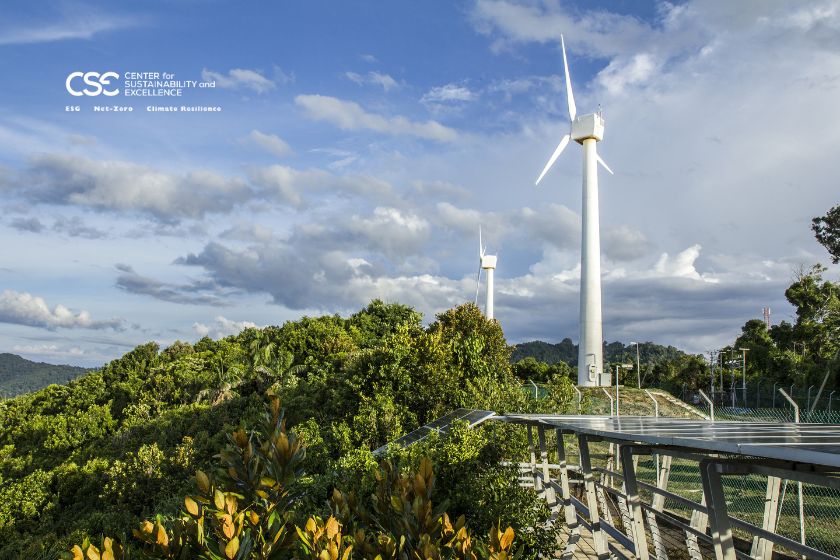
(641,500)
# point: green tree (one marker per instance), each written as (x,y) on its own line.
(817,303)
(756,338)
(827,231)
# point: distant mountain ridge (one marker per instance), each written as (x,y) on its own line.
(567,351)
(19,375)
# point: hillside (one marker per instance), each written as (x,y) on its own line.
(19,375)
(566,351)
(123,443)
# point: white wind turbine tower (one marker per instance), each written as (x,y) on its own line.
(586,130)
(488,263)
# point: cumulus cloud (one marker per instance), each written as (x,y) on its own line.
(128,187)
(449,93)
(384,81)
(463,219)
(325,280)
(348,115)
(194,293)
(239,78)
(222,327)
(623,243)
(394,232)
(270,143)
(288,185)
(603,33)
(681,265)
(555,224)
(621,73)
(22,308)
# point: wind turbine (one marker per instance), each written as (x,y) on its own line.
(488,263)
(586,130)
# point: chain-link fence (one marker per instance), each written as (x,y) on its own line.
(766,395)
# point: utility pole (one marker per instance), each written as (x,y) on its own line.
(744,373)
(638,368)
(712,373)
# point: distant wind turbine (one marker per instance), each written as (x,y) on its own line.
(488,263)
(586,130)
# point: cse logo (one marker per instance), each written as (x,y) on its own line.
(95,80)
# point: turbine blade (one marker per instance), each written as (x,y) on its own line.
(560,147)
(570,97)
(480,246)
(604,164)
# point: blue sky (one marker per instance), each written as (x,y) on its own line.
(361,144)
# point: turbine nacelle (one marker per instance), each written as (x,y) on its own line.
(488,261)
(588,126)
(583,127)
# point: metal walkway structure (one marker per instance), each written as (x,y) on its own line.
(440,426)
(620,509)
(647,487)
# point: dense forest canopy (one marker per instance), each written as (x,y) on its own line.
(18,375)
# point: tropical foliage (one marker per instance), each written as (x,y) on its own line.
(123,444)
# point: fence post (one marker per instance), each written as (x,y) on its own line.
(617,398)
(655,403)
(808,406)
(579,398)
(798,484)
(774,393)
(536,390)
(757,395)
(711,404)
(609,397)
(830,395)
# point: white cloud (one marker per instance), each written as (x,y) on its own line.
(384,81)
(396,233)
(270,143)
(602,32)
(75,26)
(124,186)
(623,243)
(681,266)
(22,308)
(239,78)
(348,115)
(441,189)
(449,93)
(51,350)
(288,185)
(621,73)
(221,327)
(460,219)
